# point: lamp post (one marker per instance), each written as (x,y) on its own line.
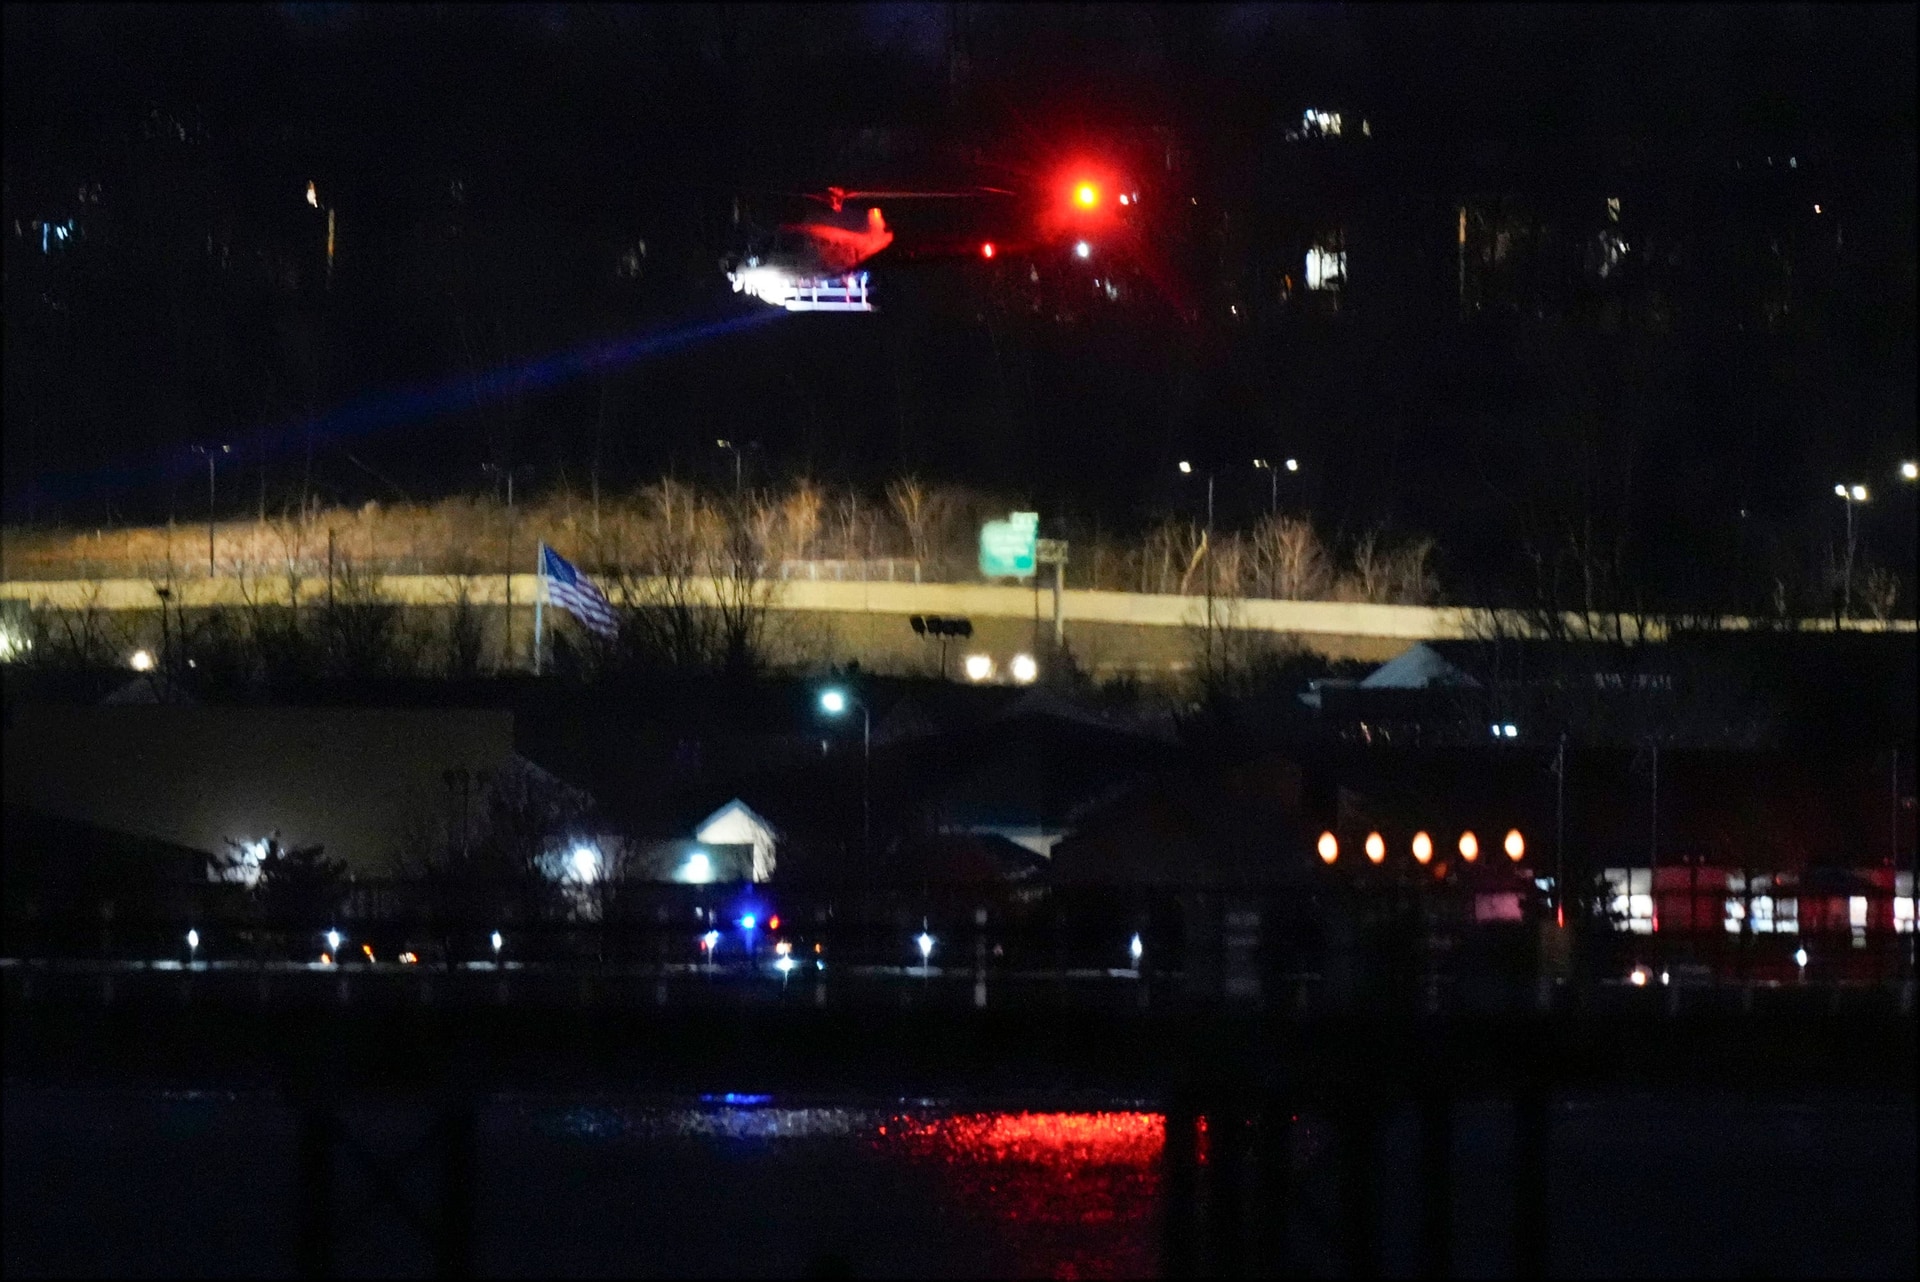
(210,453)
(1186,469)
(833,702)
(1273,480)
(736,450)
(1273,485)
(496,471)
(1850,495)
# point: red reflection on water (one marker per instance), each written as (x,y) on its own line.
(1071,1194)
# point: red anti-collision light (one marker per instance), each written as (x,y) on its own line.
(986,250)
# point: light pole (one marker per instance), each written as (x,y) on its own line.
(1850,495)
(210,453)
(1186,469)
(1273,485)
(1273,480)
(735,450)
(495,470)
(833,702)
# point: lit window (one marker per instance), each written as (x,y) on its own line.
(1632,899)
(1903,903)
(1857,911)
(1326,268)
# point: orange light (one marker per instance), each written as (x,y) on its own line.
(1422,847)
(773,922)
(986,250)
(1087,194)
(1376,847)
(1329,847)
(326,959)
(1516,845)
(1469,847)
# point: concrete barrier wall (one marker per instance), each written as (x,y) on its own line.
(1110,632)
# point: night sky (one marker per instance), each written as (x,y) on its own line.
(510,184)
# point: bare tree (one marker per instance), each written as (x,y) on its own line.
(919,508)
(1289,560)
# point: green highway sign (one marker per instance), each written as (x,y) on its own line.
(1008,548)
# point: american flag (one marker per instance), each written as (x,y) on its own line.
(576,593)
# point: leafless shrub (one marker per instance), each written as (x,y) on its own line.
(1880,592)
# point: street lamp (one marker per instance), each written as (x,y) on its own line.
(1273,478)
(1186,469)
(1329,848)
(193,946)
(496,471)
(210,453)
(833,702)
(735,451)
(1909,470)
(1850,495)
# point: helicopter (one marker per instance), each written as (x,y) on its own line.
(820,262)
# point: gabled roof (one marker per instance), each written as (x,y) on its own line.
(1418,667)
(736,807)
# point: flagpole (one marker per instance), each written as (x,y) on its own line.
(539,602)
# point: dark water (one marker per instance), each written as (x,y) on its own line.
(155,1183)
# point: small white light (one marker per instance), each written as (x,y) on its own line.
(979,667)
(710,940)
(1186,468)
(1665,979)
(333,940)
(1816,209)
(313,196)
(193,939)
(141,661)
(1293,465)
(1859,494)
(1083,249)
(784,965)
(834,702)
(926,945)
(586,863)
(1510,730)
(496,941)
(1910,470)
(1123,198)
(1638,978)
(698,869)
(1840,491)
(1800,957)
(1024,669)
(1135,948)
